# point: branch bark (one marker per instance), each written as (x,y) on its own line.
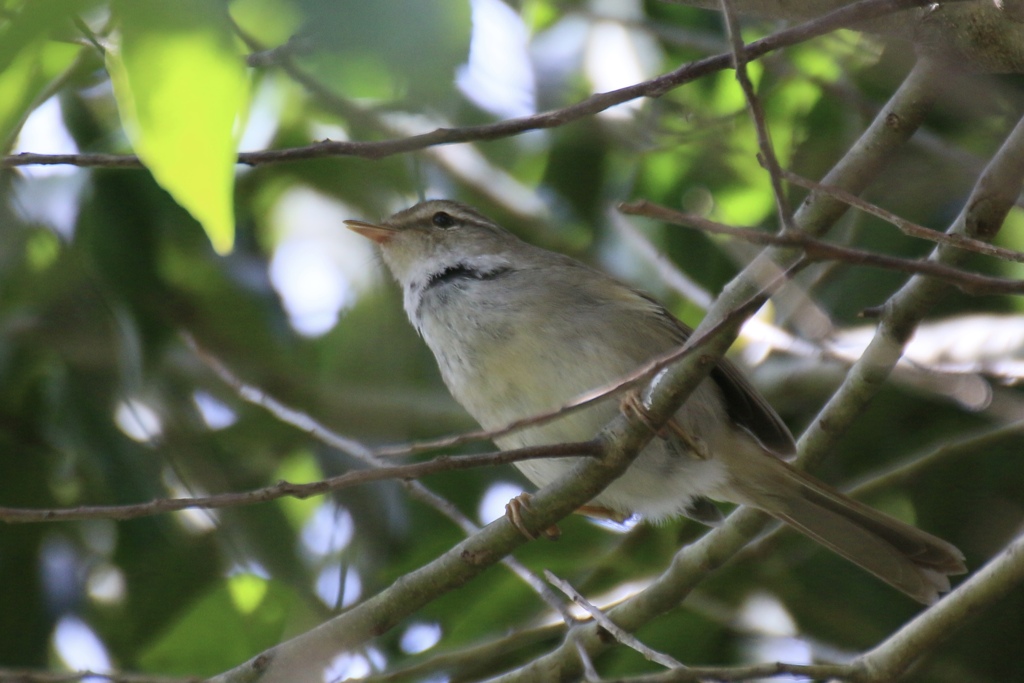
(283,489)
(656,87)
(892,658)
(992,198)
(815,250)
(981,35)
(892,128)
(304,657)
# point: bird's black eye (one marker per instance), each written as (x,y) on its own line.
(442,220)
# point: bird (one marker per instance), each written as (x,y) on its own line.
(518,330)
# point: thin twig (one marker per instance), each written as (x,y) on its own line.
(355,448)
(655,87)
(903,114)
(989,585)
(425,495)
(415,488)
(589,672)
(466,164)
(908,228)
(580,402)
(371,456)
(818,250)
(983,215)
(286,414)
(623,439)
(627,639)
(769,159)
(90,37)
(757,329)
(34,676)
(666,270)
(450,663)
(974,445)
(284,489)
(722,674)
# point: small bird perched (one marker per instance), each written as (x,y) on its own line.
(518,331)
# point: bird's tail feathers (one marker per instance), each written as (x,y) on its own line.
(903,556)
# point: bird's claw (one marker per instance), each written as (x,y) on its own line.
(632,405)
(514,512)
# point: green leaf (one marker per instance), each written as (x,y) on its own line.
(182,92)
(28,75)
(242,616)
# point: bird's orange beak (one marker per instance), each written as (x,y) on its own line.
(378,233)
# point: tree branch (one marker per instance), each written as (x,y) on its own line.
(891,659)
(702,674)
(283,489)
(656,87)
(991,199)
(302,658)
(375,457)
(893,127)
(972,445)
(769,160)
(908,228)
(627,639)
(416,489)
(983,35)
(817,250)
(32,676)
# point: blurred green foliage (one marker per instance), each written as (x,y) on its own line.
(103,274)
(182,127)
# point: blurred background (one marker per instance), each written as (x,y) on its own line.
(105,279)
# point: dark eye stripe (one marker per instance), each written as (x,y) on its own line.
(463,272)
(442,220)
